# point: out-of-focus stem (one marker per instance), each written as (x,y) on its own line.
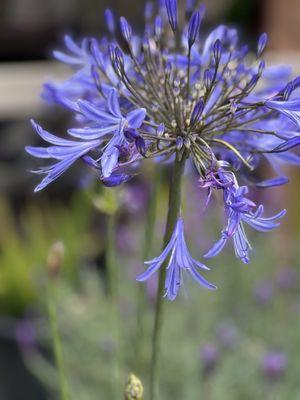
(148,243)
(173,212)
(57,345)
(113,283)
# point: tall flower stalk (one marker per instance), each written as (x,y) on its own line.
(113,286)
(156,178)
(173,214)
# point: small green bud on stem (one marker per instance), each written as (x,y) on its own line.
(134,389)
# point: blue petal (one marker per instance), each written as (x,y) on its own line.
(48,137)
(217,247)
(60,152)
(92,133)
(95,114)
(173,280)
(199,278)
(290,108)
(65,58)
(278,181)
(39,152)
(109,161)
(213,98)
(241,245)
(56,171)
(136,117)
(113,104)
(156,263)
(72,46)
(288,158)
(261,224)
(288,145)
(116,180)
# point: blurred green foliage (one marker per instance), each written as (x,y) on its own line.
(24,245)
(261,319)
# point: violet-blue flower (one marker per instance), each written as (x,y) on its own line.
(179,260)
(239,210)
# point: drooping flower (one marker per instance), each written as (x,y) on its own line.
(239,210)
(179,261)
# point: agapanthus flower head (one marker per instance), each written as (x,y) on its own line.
(173,92)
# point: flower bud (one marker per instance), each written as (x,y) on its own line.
(194,26)
(134,389)
(207,78)
(171,6)
(140,145)
(118,59)
(160,130)
(110,21)
(125,29)
(179,142)
(262,42)
(197,112)
(217,50)
(158,25)
(55,259)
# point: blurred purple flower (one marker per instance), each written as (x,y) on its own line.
(136,197)
(287,278)
(227,335)
(210,356)
(274,364)
(26,335)
(263,292)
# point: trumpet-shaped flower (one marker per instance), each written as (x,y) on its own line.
(239,210)
(179,260)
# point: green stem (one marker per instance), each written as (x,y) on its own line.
(148,244)
(173,212)
(112,274)
(57,345)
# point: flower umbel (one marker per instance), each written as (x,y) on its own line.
(167,94)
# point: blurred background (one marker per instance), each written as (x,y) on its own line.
(242,342)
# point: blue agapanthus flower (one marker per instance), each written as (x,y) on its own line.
(171,92)
(179,260)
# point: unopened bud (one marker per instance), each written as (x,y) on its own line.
(134,389)
(55,258)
